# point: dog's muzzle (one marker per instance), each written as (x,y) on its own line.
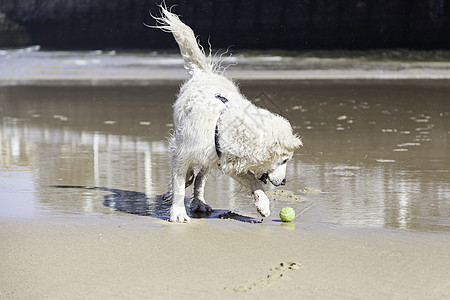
(264,177)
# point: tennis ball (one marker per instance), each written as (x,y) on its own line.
(287,214)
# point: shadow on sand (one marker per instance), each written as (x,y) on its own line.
(156,206)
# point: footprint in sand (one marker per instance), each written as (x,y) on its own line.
(281,271)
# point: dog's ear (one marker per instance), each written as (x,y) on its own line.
(284,136)
(297,142)
(284,145)
(290,143)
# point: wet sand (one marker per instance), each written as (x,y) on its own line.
(371,189)
(376,151)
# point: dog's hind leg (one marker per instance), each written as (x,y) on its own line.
(199,203)
(190,176)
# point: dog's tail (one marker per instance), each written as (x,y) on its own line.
(193,54)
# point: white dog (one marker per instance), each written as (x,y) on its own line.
(217,127)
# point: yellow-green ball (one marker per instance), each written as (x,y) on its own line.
(287,214)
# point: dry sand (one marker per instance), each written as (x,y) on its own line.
(131,257)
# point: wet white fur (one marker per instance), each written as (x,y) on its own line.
(252,140)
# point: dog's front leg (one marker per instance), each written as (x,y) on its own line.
(262,202)
(178,210)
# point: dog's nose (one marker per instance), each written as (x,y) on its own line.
(283,182)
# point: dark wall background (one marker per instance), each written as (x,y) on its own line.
(258,24)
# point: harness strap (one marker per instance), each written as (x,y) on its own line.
(216,141)
(221,98)
(216,133)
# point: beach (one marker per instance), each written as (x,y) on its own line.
(123,258)
(84,163)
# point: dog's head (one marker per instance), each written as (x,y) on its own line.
(257,141)
(280,150)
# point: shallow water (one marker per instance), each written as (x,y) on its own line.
(35,66)
(376,153)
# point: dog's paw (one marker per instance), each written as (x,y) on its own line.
(200,206)
(262,203)
(178,214)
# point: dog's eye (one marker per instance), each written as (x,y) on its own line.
(285,161)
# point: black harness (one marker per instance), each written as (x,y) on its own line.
(216,134)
